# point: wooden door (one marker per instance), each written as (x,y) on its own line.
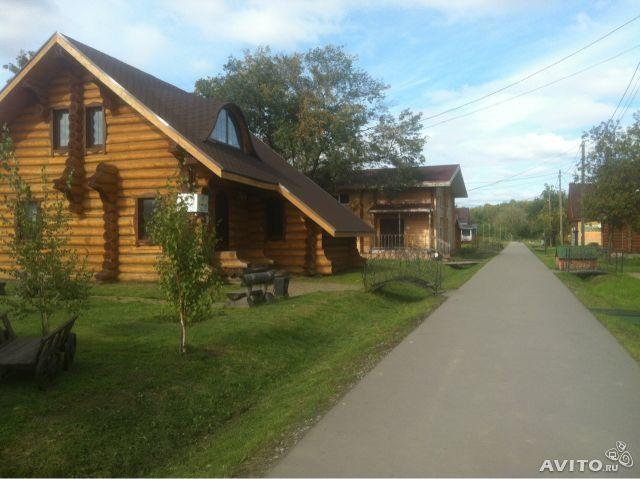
(222,221)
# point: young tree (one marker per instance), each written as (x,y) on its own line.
(48,274)
(318,110)
(613,167)
(187,277)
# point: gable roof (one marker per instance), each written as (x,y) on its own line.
(187,119)
(426,176)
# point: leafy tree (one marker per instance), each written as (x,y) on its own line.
(187,278)
(526,219)
(324,115)
(21,60)
(48,274)
(613,168)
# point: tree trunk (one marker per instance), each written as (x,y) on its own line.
(183,332)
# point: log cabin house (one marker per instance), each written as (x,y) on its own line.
(421,216)
(111,136)
(624,239)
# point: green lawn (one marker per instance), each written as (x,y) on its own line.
(610,291)
(131,406)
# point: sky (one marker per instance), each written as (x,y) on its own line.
(433,54)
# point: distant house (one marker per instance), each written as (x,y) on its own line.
(466,229)
(111,136)
(421,216)
(592,229)
(622,239)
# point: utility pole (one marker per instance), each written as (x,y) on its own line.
(560,206)
(549,214)
(582,190)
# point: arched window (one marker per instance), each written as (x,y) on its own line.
(226,130)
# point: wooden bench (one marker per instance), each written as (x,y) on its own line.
(44,356)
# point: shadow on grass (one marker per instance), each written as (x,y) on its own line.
(404,292)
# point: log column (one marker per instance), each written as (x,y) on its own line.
(105,181)
(71,183)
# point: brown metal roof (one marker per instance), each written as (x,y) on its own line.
(432,175)
(192,117)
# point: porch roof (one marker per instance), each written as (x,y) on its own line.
(401,208)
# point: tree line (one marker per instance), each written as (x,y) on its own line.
(612,171)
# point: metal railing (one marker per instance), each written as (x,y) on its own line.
(589,259)
(409,242)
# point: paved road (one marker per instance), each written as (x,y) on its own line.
(512,369)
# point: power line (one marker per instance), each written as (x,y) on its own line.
(527,170)
(533,89)
(534,73)
(631,99)
(519,178)
(625,92)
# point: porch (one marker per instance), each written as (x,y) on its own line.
(402,227)
(257,227)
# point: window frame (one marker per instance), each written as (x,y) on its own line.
(136,220)
(97,148)
(230,118)
(281,236)
(17,228)
(56,149)
(341,197)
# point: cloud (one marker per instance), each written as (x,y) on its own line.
(279,23)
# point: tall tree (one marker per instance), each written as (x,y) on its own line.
(613,167)
(322,113)
(21,60)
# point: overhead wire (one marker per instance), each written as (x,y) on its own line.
(537,72)
(533,90)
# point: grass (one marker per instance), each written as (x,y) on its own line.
(131,406)
(609,291)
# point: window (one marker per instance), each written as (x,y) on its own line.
(343,198)
(60,130)
(28,219)
(144,210)
(94,127)
(275,219)
(225,130)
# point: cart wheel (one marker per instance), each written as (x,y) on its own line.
(47,370)
(69,351)
(268,297)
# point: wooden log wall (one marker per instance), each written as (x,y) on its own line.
(291,253)
(623,239)
(141,154)
(72,181)
(106,182)
(334,255)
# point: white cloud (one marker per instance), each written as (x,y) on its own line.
(279,23)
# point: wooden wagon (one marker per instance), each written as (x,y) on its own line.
(44,356)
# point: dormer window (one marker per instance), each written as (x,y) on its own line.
(225,130)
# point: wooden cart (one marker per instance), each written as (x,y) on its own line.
(44,356)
